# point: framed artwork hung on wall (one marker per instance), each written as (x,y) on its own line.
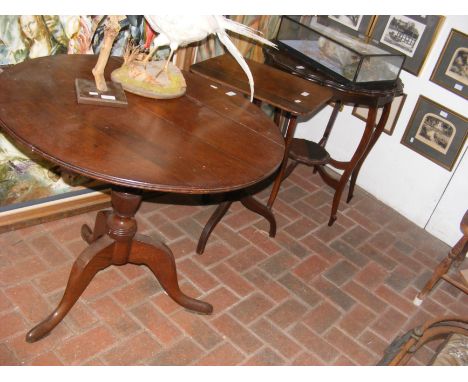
(451,70)
(410,35)
(397,104)
(351,24)
(436,132)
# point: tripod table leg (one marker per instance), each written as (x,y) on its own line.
(159,258)
(93,259)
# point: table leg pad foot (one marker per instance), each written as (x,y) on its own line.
(93,259)
(35,334)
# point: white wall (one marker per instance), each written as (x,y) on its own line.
(393,173)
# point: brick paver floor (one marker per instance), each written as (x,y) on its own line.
(313,295)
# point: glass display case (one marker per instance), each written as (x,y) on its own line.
(348,59)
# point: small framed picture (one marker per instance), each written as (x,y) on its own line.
(351,24)
(451,70)
(410,35)
(436,132)
(361,112)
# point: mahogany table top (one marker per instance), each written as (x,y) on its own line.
(285,91)
(203,142)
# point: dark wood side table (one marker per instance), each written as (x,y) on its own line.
(291,95)
(374,99)
(203,142)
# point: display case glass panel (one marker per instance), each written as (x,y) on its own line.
(345,57)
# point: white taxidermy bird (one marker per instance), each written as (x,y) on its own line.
(181,30)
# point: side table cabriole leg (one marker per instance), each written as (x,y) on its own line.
(375,136)
(254,205)
(331,122)
(291,129)
(114,242)
(351,165)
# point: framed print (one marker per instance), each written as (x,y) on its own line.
(410,35)
(451,70)
(351,24)
(361,112)
(436,132)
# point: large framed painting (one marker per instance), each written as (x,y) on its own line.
(436,132)
(410,35)
(451,70)
(361,112)
(33,190)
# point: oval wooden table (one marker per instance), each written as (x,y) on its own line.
(203,142)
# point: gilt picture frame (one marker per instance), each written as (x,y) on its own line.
(451,70)
(413,36)
(436,132)
(361,112)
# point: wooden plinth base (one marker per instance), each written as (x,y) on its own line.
(87,93)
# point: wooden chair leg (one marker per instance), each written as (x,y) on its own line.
(400,351)
(441,270)
(457,254)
